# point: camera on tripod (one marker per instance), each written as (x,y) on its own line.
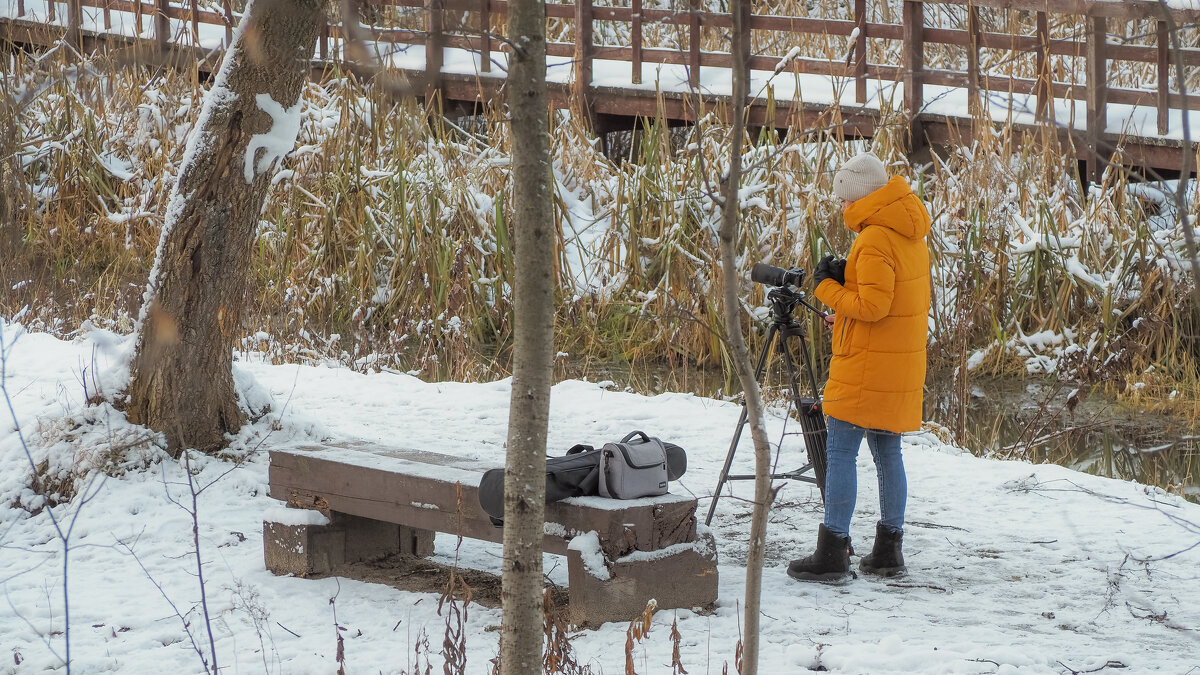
(770,275)
(785,334)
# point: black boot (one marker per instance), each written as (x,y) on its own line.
(885,559)
(830,563)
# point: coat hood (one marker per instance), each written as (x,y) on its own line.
(894,206)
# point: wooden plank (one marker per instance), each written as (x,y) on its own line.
(1124,9)
(75,24)
(1163,50)
(1042,67)
(694,44)
(584,53)
(162,24)
(914,63)
(485,36)
(434,42)
(194,9)
(860,51)
(743,58)
(326,481)
(635,31)
(973,71)
(1097,93)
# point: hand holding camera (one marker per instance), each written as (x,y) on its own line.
(830,268)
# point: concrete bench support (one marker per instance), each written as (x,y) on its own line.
(683,575)
(316,548)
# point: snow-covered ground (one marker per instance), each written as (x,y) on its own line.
(1013,568)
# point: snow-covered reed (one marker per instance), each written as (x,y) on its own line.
(385,242)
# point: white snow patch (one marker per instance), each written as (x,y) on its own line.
(279,141)
(588,546)
(281,515)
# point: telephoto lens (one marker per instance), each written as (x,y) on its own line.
(771,275)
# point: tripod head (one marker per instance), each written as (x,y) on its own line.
(784,300)
(784,296)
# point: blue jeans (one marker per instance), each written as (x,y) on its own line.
(841,475)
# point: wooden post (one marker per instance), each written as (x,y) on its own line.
(1097,93)
(974,106)
(107,15)
(194,10)
(323,42)
(1042,52)
(162,25)
(75,24)
(51,10)
(860,51)
(485,36)
(227,5)
(1164,76)
(435,39)
(914,65)
(635,30)
(20,8)
(744,8)
(694,45)
(583,57)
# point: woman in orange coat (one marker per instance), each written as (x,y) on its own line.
(877,371)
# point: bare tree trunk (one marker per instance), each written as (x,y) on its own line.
(533,327)
(763,493)
(182,372)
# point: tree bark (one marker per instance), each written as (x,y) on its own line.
(728,235)
(182,373)
(533,324)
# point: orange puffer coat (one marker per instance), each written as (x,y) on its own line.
(877,373)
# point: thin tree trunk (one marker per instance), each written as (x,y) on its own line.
(763,494)
(182,373)
(533,325)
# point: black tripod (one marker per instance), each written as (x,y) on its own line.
(784,328)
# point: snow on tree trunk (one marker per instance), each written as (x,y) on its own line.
(181,380)
(533,325)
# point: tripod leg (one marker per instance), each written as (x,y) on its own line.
(772,332)
(812,418)
(737,435)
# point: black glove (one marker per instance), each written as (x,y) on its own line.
(837,271)
(822,271)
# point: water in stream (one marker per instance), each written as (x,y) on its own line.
(1034,420)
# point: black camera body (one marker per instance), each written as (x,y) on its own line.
(770,275)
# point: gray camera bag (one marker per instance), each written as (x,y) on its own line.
(635,467)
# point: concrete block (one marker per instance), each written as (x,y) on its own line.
(304,542)
(302,549)
(679,576)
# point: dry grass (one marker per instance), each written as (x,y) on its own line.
(385,242)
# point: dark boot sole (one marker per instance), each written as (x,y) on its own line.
(886,572)
(822,578)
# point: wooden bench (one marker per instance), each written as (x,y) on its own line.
(374,501)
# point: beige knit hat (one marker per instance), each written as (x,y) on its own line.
(859,176)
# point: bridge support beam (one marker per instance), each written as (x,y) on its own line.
(1096,154)
(914,76)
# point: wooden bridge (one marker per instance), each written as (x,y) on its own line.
(1096,73)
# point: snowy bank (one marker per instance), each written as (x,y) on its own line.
(1013,568)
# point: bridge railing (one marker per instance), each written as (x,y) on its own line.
(478,25)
